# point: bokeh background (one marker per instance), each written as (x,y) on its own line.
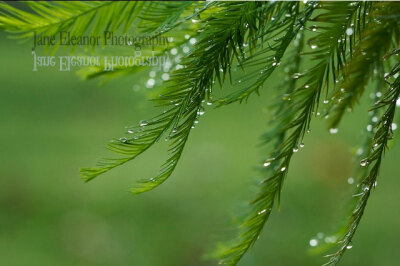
(52,123)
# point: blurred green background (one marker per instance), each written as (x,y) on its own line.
(52,123)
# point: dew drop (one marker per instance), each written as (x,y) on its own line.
(262,211)
(364,162)
(295,149)
(165,76)
(349,31)
(266,164)
(313,242)
(150,83)
(333,130)
(350,180)
(130,131)
(143,123)
(313,46)
(283,169)
(301,145)
(349,246)
(394,126)
(124,140)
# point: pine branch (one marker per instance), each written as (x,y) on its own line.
(380,144)
(293,124)
(283,28)
(375,42)
(189,86)
(78,18)
(176,26)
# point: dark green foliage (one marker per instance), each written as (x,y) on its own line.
(347,44)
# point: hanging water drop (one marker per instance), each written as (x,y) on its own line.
(143,123)
(349,31)
(350,180)
(364,162)
(333,130)
(262,211)
(165,76)
(313,242)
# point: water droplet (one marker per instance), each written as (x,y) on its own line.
(185,49)
(209,103)
(165,76)
(326,101)
(349,31)
(262,211)
(369,128)
(350,180)
(124,140)
(313,242)
(283,169)
(193,41)
(301,145)
(174,51)
(365,188)
(295,149)
(364,162)
(266,164)
(152,74)
(313,46)
(398,102)
(296,75)
(333,130)
(394,126)
(330,239)
(349,246)
(130,131)
(150,83)
(143,123)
